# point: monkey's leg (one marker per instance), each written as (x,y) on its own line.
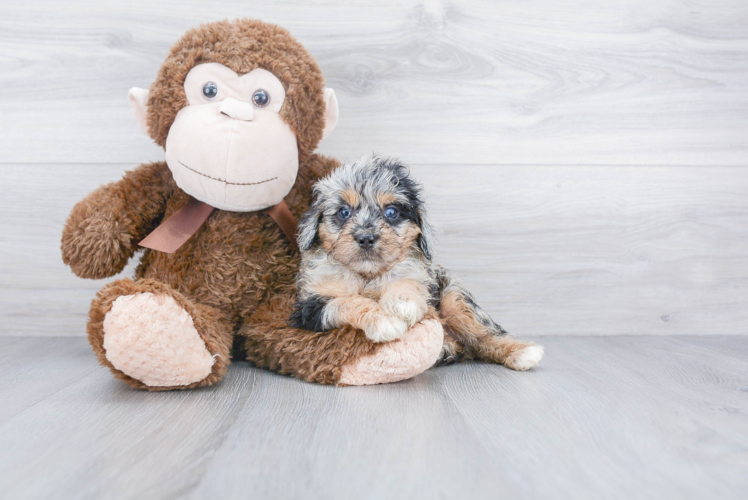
(480,337)
(343,356)
(154,338)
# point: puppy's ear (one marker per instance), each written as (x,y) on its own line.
(427,236)
(308,226)
(413,192)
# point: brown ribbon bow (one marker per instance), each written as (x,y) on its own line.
(180,227)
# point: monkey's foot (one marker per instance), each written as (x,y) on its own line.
(154,340)
(416,352)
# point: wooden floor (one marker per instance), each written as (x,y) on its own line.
(604,417)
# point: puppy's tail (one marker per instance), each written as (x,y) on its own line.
(471,332)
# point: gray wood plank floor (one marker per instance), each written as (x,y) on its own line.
(604,417)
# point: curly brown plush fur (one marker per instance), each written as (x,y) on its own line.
(237,272)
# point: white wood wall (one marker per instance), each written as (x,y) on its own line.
(586,161)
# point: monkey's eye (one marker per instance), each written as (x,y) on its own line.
(344,213)
(391,213)
(260,98)
(210,90)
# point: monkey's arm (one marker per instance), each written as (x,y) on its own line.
(340,356)
(103,230)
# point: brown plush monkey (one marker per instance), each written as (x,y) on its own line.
(239,107)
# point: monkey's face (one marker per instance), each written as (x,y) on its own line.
(229,147)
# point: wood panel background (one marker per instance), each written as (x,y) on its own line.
(586,162)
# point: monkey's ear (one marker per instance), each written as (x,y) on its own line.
(331,112)
(138,98)
(308,227)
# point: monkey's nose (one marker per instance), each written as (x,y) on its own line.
(236,109)
(366,241)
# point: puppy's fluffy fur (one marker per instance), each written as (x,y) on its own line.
(366,262)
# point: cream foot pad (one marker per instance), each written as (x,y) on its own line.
(416,352)
(152,339)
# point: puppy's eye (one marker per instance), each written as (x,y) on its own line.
(260,98)
(391,213)
(210,90)
(344,213)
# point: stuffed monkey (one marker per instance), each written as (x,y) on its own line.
(239,108)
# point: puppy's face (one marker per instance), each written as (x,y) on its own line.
(369,216)
(369,235)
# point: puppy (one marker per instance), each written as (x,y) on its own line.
(366,262)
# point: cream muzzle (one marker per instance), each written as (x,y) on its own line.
(228,152)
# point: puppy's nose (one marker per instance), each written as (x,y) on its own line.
(366,240)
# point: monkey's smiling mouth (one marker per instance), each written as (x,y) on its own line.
(225,181)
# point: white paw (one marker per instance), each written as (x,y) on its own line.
(385,329)
(527,358)
(409,311)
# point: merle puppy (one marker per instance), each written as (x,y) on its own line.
(366,262)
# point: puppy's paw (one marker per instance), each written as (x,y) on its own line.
(410,311)
(386,328)
(526,358)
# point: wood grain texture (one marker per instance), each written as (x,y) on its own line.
(615,418)
(631,82)
(546,250)
(639,109)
